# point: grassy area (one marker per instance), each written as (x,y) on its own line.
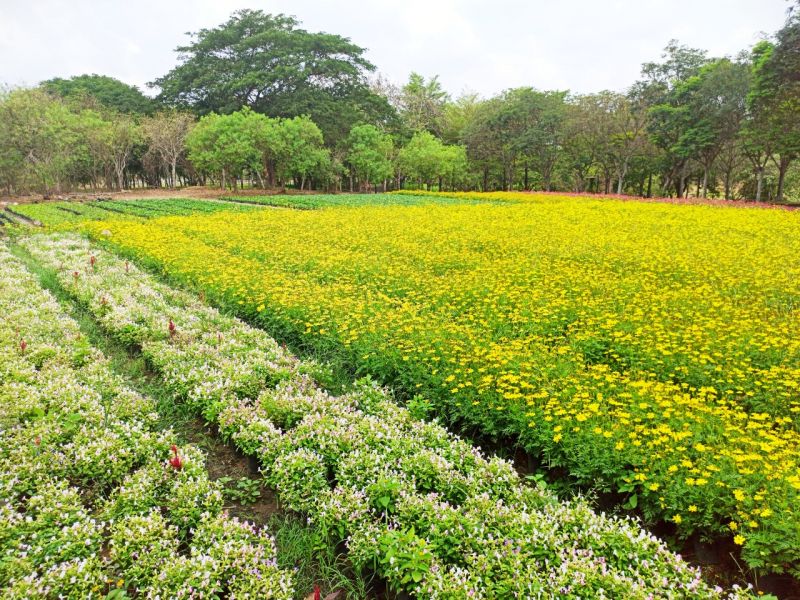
(317,201)
(60,213)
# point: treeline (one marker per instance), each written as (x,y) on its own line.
(259,101)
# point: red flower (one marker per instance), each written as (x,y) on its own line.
(92,261)
(75,275)
(175,461)
(317,593)
(172,329)
(23,345)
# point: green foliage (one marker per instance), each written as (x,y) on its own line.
(109,92)
(243,490)
(316,201)
(369,154)
(266,62)
(425,158)
(287,149)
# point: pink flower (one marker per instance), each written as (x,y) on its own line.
(175,461)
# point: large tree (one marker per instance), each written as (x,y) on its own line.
(268,63)
(775,95)
(109,92)
(166,136)
(664,90)
(423,103)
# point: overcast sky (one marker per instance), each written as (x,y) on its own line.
(483,46)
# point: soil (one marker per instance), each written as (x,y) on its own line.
(195,192)
(224,461)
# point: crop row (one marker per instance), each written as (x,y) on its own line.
(648,350)
(424,509)
(93,500)
(58,213)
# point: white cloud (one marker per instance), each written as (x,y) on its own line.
(582,45)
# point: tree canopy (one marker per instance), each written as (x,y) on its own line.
(109,92)
(271,65)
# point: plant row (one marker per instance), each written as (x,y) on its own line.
(315,201)
(59,213)
(97,502)
(422,508)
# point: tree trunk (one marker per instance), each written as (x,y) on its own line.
(174,169)
(727,185)
(525,184)
(623,172)
(705,181)
(759,182)
(783,166)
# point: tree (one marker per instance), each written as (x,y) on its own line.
(422,104)
(224,144)
(369,154)
(302,153)
(124,136)
(664,90)
(109,92)
(775,95)
(39,141)
(456,117)
(166,135)
(266,62)
(423,158)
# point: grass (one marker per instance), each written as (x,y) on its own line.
(318,201)
(328,568)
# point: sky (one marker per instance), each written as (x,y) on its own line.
(473,46)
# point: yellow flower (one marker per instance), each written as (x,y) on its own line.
(738,540)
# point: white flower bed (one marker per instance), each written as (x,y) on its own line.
(426,510)
(88,501)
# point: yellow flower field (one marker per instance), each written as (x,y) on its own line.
(649,350)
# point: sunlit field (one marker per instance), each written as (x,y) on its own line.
(647,350)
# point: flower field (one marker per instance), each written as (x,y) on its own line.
(647,350)
(428,512)
(91,505)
